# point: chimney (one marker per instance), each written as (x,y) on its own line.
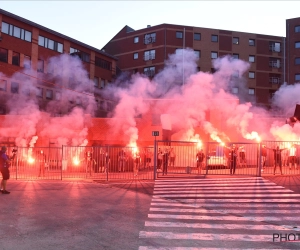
(148,26)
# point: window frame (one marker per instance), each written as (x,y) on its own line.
(179,34)
(297,29)
(211,55)
(214,36)
(251,91)
(238,40)
(135,56)
(250,75)
(251,42)
(195,35)
(251,56)
(136,39)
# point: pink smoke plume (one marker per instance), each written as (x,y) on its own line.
(70,80)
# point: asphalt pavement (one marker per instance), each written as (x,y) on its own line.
(83,214)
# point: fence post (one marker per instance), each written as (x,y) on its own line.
(259,159)
(155,155)
(62,161)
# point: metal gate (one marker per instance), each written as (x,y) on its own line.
(184,158)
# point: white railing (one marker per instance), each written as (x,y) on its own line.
(274,64)
(274,80)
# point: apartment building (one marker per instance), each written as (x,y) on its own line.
(146,50)
(28,45)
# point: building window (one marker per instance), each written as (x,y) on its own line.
(274,46)
(85,57)
(214,38)
(297,77)
(235,56)
(102,63)
(179,34)
(150,38)
(135,55)
(274,63)
(40,66)
(235,40)
(49,94)
(297,45)
(15,31)
(136,39)
(274,79)
(14,87)
(197,36)
(251,91)
(102,83)
(252,59)
(297,29)
(251,42)
(50,44)
(57,96)
(235,90)
(16,59)
(27,62)
(96,82)
(149,71)
(3,55)
(5,28)
(178,51)
(251,75)
(149,55)
(297,60)
(197,53)
(39,92)
(214,55)
(3,84)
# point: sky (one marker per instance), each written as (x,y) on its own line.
(96,22)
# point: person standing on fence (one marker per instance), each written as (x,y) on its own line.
(172,157)
(5,161)
(292,156)
(107,162)
(242,158)
(122,160)
(200,160)
(148,158)
(159,159)
(90,162)
(137,163)
(263,156)
(165,162)
(277,158)
(42,163)
(233,153)
(285,158)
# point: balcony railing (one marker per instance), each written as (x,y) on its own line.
(149,73)
(149,57)
(274,48)
(274,64)
(149,39)
(274,80)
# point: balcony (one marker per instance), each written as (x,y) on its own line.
(149,73)
(274,48)
(274,64)
(149,39)
(274,80)
(148,57)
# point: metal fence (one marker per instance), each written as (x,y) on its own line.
(116,162)
(217,160)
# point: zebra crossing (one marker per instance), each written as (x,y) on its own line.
(226,213)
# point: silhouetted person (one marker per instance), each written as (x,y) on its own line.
(5,161)
(277,158)
(200,160)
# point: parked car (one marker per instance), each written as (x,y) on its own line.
(216,161)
